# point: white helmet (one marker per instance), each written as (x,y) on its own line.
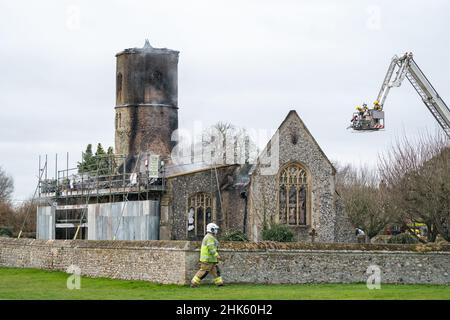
(212,228)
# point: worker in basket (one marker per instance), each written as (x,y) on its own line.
(377,106)
(360,110)
(365,110)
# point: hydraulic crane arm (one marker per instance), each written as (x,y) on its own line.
(405,66)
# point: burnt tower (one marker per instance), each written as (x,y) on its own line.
(146,100)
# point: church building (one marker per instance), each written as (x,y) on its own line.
(146,195)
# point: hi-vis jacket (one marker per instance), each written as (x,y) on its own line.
(208,252)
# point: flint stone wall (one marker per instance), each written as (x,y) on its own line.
(155,261)
(176,261)
(228,213)
(295,144)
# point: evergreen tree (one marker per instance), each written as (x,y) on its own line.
(101,163)
(100,151)
(88,160)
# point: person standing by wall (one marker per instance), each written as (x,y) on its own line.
(360,235)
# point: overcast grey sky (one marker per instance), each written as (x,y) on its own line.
(246,62)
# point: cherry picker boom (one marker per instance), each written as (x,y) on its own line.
(403,67)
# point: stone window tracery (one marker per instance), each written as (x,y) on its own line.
(199,212)
(292,195)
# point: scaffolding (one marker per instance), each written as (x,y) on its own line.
(107,176)
(96,180)
(112,196)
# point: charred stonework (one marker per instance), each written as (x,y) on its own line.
(146,100)
(148,128)
(227,208)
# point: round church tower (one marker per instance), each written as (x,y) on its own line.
(146,100)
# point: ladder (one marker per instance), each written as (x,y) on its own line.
(429,96)
(406,67)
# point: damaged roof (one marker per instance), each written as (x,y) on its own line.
(147,48)
(238,178)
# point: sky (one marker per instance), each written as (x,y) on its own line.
(244,62)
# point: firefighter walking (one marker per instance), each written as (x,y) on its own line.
(209,257)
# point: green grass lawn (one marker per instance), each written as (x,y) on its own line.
(38,284)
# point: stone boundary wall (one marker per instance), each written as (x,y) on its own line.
(265,262)
(155,261)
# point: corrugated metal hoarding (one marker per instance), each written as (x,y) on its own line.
(132,220)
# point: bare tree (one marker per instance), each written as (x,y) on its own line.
(6,186)
(25,217)
(416,175)
(363,198)
(438,171)
(6,215)
(229,144)
(14,218)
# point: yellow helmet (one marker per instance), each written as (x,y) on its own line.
(376,102)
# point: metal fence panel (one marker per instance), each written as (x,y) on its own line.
(133,220)
(45,223)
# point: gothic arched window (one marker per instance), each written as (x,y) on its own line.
(199,212)
(292,195)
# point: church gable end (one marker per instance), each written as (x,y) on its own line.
(296,143)
(280,199)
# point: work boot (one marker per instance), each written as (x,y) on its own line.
(218,281)
(193,285)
